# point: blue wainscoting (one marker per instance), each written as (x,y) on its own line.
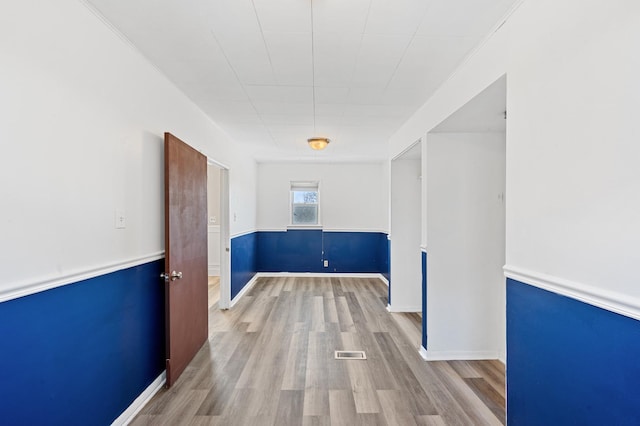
(424,299)
(244,261)
(353,252)
(306,250)
(569,362)
(82,353)
(290,251)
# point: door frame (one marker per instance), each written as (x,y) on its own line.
(225,236)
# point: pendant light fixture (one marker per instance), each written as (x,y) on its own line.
(316,143)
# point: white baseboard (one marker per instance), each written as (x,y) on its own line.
(253,280)
(423,353)
(244,290)
(324,275)
(431,355)
(128,415)
(394,308)
(214,270)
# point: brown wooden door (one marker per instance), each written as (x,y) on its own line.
(185,253)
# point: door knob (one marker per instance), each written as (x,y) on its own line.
(173,276)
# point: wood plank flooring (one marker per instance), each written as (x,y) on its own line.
(214,291)
(270,361)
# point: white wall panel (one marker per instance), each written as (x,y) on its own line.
(82,117)
(572,151)
(406,210)
(573,175)
(466,230)
(353,196)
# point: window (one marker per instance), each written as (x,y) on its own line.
(304,203)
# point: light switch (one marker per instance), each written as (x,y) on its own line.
(121,220)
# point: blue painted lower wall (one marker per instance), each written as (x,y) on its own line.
(290,251)
(353,252)
(424,299)
(306,250)
(81,353)
(569,362)
(244,261)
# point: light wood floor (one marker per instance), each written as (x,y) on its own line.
(270,361)
(214,292)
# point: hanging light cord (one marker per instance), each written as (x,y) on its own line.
(313,72)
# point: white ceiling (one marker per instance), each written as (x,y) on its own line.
(273,73)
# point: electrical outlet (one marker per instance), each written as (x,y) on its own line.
(326,263)
(121,220)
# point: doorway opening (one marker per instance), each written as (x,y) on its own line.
(218,236)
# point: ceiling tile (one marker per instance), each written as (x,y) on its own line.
(230,17)
(290,57)
(284,15)
(459,19)
(293,94)
(335,58)
(419,66)
(377,60)
(229,120)
(365,96)
(332,95)
(287,119)
(340,16)
(283,108)
(408,97)
(334,110)
(395,17)
(248,63)
(379,111)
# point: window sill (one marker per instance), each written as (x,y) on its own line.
(304,227)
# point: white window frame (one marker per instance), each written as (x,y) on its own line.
(301,185)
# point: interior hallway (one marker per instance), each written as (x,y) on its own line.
(270,361)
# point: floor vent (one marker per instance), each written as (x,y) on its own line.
(350,355)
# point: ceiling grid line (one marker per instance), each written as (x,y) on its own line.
(244,89)
(370,64)
(404,53)
(355,63)
(264,42)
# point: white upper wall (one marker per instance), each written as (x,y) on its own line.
(572,153)
(573,178)
(406,257)
(353,196)
(82,117)
(466,293)
(213,194)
